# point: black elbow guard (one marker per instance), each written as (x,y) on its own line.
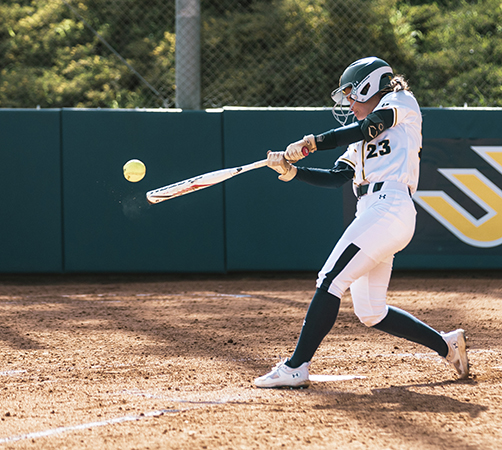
(376,122)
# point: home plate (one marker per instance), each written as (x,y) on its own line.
(322,378)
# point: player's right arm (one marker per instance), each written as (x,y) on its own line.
(336,177)
(343,171)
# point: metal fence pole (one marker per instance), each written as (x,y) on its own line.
(188,54)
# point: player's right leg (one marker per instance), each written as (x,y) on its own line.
(369,297)
(451,346)
(457,352)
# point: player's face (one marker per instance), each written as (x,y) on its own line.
(361,110)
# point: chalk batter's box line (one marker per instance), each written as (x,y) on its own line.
(117,420)
(200,404)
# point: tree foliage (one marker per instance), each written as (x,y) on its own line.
(53,53)
(280,45)
(49,57)
(457,52)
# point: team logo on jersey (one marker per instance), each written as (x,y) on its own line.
(485,231)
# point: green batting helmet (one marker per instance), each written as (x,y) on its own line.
(365,77)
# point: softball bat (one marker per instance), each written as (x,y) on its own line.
(199,182)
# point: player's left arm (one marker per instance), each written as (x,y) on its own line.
(367,129)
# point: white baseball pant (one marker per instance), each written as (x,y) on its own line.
(362,258)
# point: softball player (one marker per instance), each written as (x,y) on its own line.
(382,161)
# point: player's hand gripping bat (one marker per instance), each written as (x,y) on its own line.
(201,181)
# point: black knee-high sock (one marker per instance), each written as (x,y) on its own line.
(320,318)
(402,324)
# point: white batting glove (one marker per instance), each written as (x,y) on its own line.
(298,150)
(277,162)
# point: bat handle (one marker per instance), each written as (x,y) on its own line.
(305,151)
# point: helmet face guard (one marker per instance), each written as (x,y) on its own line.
(359,82)
(341,109)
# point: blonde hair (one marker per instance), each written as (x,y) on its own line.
(398,83)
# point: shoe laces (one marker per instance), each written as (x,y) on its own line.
(280,363)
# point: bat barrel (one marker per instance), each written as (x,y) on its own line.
(199,182)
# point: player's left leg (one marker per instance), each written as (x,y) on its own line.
(320,318)
(345,264)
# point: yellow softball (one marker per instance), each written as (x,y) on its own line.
(134,170)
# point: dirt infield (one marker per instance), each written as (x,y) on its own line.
(165,362)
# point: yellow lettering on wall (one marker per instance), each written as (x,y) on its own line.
(485,231)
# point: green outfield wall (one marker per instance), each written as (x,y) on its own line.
(68,209)
(31,227)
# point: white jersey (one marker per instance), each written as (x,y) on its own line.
(394,155)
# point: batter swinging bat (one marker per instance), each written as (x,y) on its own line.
(199,182)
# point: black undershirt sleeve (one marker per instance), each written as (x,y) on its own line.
(329,178)
(339,137)
(366,129)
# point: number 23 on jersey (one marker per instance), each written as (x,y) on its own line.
(380,149)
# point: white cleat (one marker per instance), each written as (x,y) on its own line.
(457,352)
(282,376)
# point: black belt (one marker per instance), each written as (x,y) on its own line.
(363,189)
